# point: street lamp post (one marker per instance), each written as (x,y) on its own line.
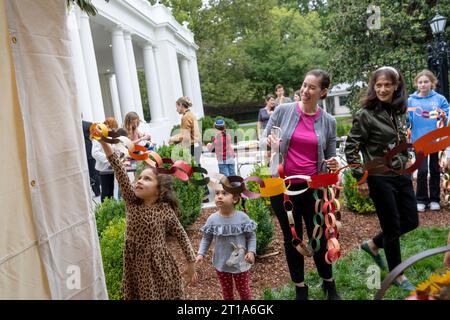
(438,56)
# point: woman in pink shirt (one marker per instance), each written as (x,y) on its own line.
(308,142)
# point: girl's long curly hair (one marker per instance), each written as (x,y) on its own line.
(165,189)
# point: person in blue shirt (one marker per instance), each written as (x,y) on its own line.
(421,122)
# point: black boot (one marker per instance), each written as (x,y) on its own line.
(301,293)
(329,288)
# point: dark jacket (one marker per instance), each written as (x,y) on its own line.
(375,133)
(87,141)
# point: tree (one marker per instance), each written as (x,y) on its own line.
(357,45)
(304,6)
(285,52)
(246,47)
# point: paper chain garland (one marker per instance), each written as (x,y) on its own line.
(437,113)
(327,183)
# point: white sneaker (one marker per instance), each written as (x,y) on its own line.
(420,207)
(434,206)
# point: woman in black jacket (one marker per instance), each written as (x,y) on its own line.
(377,128)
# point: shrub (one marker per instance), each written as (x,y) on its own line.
(189,195)
(260,171)
(353,199)
(342,128)
(258,211)
(108,211)
(112,242)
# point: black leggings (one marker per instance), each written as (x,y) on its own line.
(303,207)
(423,196)
(396,207)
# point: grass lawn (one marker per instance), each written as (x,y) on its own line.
(351,273)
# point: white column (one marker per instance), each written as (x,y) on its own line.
(186,79)
(151,80)
(115,99)
(83,97)
(196,90)
(169,79)
(91,68)
(133,75)
(121,69)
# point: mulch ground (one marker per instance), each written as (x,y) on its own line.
(272,271)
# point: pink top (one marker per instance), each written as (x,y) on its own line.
(302,155)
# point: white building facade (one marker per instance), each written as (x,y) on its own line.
(124,37)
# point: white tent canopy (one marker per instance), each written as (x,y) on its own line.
(49,247)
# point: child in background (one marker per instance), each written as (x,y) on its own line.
(150,271)
(223,147)
(425,99)
(234,236)
(131,124)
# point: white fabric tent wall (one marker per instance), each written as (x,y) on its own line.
(47,227)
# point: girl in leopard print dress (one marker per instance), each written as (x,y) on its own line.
(150,272)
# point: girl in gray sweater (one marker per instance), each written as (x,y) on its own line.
(233,233)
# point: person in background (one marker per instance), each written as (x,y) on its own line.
(264,114)
(222,146)
(102,163)
(279,91)
(94,177)
(190,135)
(425,99)
(297,96)
(131,124)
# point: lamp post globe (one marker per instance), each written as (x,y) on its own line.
(438,55)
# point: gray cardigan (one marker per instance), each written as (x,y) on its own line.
(286,117)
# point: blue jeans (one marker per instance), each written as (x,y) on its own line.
(227,169)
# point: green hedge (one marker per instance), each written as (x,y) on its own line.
(107,211)
(353,199)
(342,128)
(258,211)
(112,242)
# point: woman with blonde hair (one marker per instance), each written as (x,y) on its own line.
(131,124)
